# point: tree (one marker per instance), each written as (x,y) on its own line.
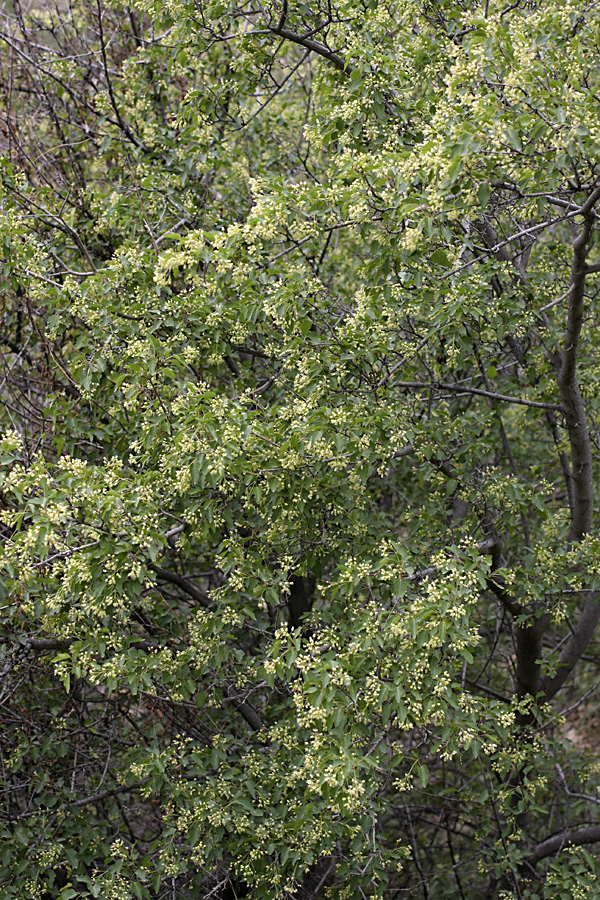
(299,398)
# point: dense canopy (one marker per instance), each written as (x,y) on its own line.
(300,398)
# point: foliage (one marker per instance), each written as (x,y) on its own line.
(299,399)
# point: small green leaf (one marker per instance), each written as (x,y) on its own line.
(440,258)
(483,192)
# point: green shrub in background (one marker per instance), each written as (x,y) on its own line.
(300,398)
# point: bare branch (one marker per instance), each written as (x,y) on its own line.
(309,43)
(462,389)
(39,643)
(558,842)
(110,793)
(245,709)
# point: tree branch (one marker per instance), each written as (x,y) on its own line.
(245,710)
(575,646)
(86,801)
(298,601)
(529,654)
(582,504)
(39,643)
(564,461)
(462,389)
(483,547)
(558,842)
(572,401)
(315,46)
(110,793)
(533,229)
(191,590)
(48,644)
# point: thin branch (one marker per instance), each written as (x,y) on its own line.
(494,250)
(569,793)
(113,101)
(110,793)
(462,389)
(484,547)
(275,92)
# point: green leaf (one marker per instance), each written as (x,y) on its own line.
(440,258)
(483,193)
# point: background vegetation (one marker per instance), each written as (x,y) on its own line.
(300,387)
